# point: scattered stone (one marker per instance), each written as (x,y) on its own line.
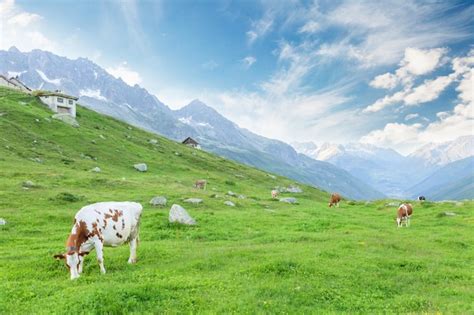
(94,142)
(2,221)
(177,154)
(37,120)
(392,204)
(22,103)
(230,193)
(37,160)
(153,141)
(241,197)
(66,118)
(28,184)
(229,203)
(158,201)
(294,189)
(271,176)
(141,167)
(447,214)
(2,114)
(128,136)
(194,201)
(102,137)
(289,200)
(179,215)
(239,176)
(96,169)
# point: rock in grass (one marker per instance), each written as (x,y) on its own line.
(179,215)
(96,169)
(447,214)
(153,141)
(194,201)
(141,167)
(392,204)
(289,200)
(158,201)
(241,196)
(230,193)
(229,203)
(294,189)
(2,221)
(66,118)
(28,184)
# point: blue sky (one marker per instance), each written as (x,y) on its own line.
(391,73)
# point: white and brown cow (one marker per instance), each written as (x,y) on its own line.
(334,200)
(404,213)
(200,184)
(275,193)
(98,225)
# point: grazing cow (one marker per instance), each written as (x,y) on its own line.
(201,184)
(403,214)
(335,199)
(98,225)
(275,193)
(421,198)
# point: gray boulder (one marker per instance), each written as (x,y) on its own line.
(194,201)
(28,184)
(229,203)
(153,141)
(158,201)
(96,169)
(179,215)
(294,189)
(2,221)
(289,200)
(230,193)
(241,197)
(141,167)
(66,118)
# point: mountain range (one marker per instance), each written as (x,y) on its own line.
(396,175)
(100,91)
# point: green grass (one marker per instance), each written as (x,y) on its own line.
(261,256)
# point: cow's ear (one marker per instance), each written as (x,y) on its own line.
(59,256)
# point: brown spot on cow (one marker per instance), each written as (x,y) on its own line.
(76,239)
(115,215)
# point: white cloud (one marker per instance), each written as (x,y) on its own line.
(310,27)
(385,81)
(22,29)
(428,91)
(123,71)
(210,65)
(249,61)
(411,116)
(260,28)
(400,137)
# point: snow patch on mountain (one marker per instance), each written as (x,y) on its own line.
(12,74)
(189,121)
(45,78)
(93,93)
(443,153)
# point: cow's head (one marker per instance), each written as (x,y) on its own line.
(330,204)
(72,260)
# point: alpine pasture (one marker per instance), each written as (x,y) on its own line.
(261,256)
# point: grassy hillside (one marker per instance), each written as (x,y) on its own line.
(261,256)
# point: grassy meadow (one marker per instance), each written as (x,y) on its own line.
(261,256)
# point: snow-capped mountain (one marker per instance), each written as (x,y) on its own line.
(100,91)
(307,148)
(443,153)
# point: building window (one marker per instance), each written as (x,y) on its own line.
(70,102)
(60,100)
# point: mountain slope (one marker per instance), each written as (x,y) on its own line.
(444,153)
(453,181)
(101,92)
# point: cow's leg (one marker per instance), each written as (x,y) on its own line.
(337,204)
(133,250)
(81,262)
(100,254)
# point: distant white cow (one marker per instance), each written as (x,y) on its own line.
(404,213)
(201,184)
(275,193)
(98,225)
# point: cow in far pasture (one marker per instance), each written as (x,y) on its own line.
(334,200)
(421,198)
(200,184)
(404,213)
(275,193)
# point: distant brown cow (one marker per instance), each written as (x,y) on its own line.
(201,184)
(404,213)
(335,199)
